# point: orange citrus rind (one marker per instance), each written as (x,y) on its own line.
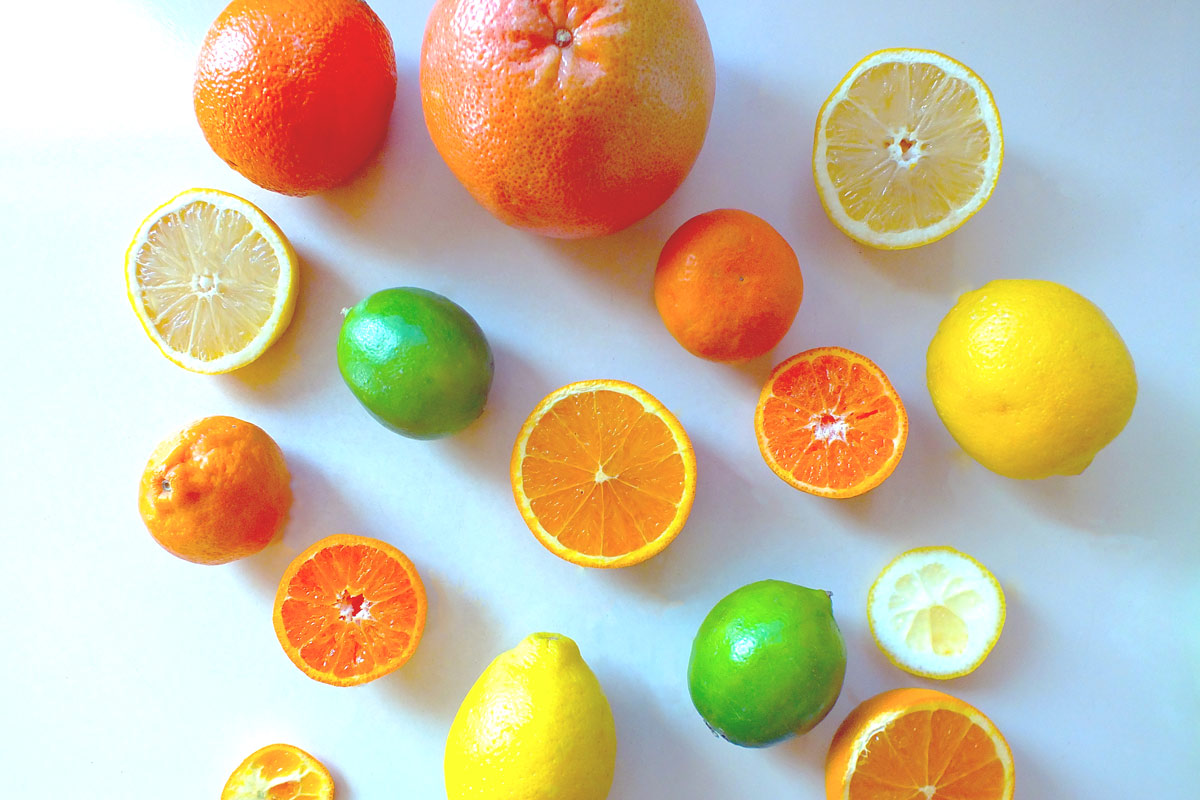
(679,445)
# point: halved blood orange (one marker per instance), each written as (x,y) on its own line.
(279,772)
(603,474)
(829,423)
(918,744)
(349,609)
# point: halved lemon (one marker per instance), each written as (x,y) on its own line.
(907,148)
(936,612)
(212,279)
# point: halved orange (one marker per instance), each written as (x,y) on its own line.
(829,423)
(279,772)
(918,744)
(603,474)
(349,609)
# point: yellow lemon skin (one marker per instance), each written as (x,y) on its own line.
(535,726)
(1030,378)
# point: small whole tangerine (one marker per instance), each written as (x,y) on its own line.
(216,491)
(727,285)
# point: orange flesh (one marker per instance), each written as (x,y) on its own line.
(604,476)
(350,611)
(279,772)
(929,755)
(830,422)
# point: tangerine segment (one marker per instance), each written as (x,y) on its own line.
(918,744)
(350,609)
(829,423)
(603,474)
(279,772)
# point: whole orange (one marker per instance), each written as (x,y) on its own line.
(217,491)
(727,285)
(296,96)
(570,118)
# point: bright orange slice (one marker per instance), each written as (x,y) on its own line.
(603,474)
(349,609)
(918,744)
(829,423)
(279,772)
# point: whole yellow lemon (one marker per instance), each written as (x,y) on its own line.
(1030,378)
(535,726)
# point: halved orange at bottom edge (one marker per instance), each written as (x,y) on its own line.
(279,772)
(918,744)
(349,609)
(829,423)
(603,474)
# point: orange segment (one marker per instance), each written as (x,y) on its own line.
(603,474)
(918,744)
(350,609)
(829,423)
(279,772)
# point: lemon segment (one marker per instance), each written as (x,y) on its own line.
(212,280)
(936,612)
(907,148)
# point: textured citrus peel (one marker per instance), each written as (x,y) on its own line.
(907,148)
(603,474)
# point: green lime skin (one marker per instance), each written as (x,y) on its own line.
(417,361)
(767,663)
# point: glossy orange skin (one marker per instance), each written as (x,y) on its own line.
(727,286)
(568,118)
(217,491)
(296,96)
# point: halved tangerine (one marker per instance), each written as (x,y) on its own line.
(349,609)
(603,474)
(279,772)
(829,423)
(918,744)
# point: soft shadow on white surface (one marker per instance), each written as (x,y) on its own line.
(303,362)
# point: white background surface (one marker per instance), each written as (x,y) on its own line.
(127,673)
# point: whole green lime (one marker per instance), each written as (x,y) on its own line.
(767,663)
(416,360)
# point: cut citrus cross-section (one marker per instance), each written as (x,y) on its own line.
(907,148)
(936,612)
(829,423)
(279,772)
(603,474)
(918,744)
(212,279)
(349,609)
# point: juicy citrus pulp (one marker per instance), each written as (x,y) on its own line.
(603,474)
(936,612)
(216,491)
(535,725)
(279,772)
(908,147)
(1030,378)
(417,361)
(569,118)
(212,279)
(349,609)
(918,744)
(727,285)
(767,663)
(829,423)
